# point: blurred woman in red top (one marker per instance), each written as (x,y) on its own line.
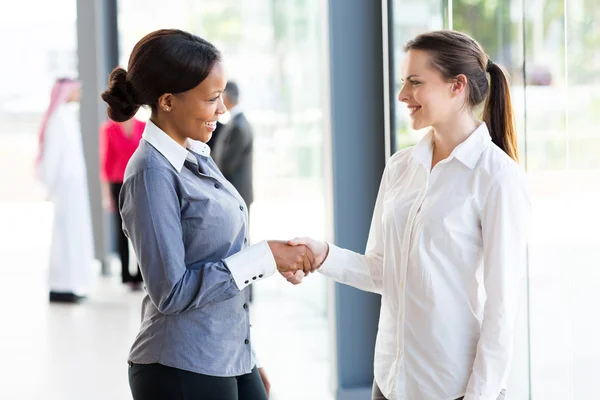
(118,141)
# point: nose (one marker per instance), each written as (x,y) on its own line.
(403,95)
(221,109)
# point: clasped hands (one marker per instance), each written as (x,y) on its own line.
(298,257)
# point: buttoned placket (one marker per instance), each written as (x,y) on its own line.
(407,245)
(195,168)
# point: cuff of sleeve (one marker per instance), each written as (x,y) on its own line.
(251,264)
(333,259)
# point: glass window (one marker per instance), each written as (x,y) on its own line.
(580,238)
(31,63)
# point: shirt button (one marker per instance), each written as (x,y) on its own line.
(260,276)
(253,278)
(247,282)
(217,186)
(246,341)
(245,306)
(242,208)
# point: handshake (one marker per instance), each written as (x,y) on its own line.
(298,257)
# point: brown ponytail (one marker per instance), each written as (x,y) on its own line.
(498,113)
(454,53)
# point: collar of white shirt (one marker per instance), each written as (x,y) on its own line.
(235,111)
(173,151)
(468,152)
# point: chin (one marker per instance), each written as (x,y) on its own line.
(418,125)
(203,136)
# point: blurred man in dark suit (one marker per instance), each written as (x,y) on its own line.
(213,138)
(232,148)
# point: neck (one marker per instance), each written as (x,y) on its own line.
(167,128)
(450,134)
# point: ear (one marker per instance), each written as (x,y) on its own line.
(459,84)
(165,102)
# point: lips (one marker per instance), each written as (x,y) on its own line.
(413,109)
(211,125)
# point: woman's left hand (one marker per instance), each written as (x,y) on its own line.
(265,379)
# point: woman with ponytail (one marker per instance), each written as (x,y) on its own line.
(447,244)
(61,169)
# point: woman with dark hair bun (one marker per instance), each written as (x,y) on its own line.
(188,227)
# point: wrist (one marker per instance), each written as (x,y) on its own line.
(325,255)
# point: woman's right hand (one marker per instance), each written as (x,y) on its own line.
(292,258)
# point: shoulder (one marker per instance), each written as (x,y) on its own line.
(240,121)
(146,160)
(498,166)
(499,173)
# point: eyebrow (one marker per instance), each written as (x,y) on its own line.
(409,77)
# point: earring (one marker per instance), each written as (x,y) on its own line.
(167,109)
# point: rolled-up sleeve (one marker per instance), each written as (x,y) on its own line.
(504,227)
(151,211)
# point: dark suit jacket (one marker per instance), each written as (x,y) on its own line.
(215,135)
(233,155)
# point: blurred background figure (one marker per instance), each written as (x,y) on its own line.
(61,169)
(232,148)
(215,135)
(118,142)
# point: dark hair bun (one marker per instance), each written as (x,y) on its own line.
(120,96)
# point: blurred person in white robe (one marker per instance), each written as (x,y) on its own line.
(61,169)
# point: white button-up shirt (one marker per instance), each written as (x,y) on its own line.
(447,252)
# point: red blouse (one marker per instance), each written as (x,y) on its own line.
(116,148)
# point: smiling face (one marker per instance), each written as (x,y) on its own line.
(430,98)
(194,113)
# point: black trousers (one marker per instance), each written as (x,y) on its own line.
(122,241)
(159,382)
